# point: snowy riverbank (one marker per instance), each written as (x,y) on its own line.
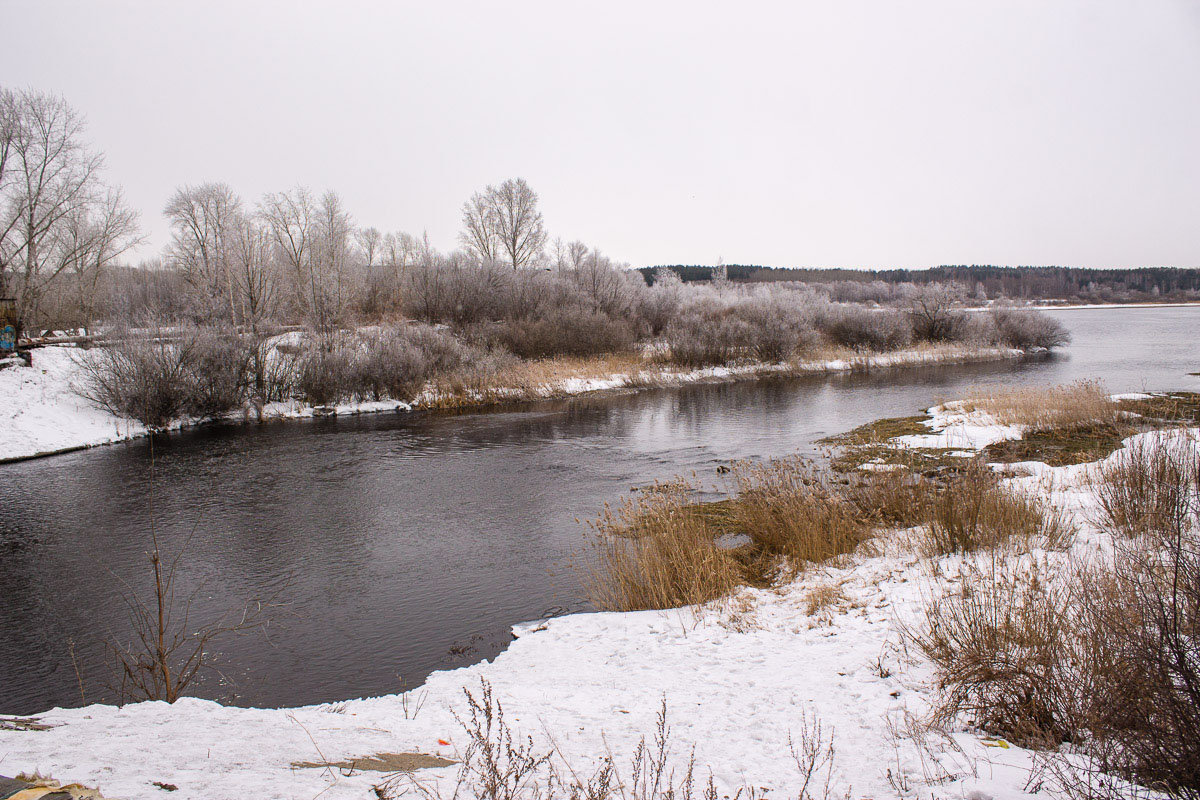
(737,679)
(43,413)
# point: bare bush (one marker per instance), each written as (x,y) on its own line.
(1000,649)
(1148,486)
(1145,713)
(568,331)
(389,364)
(1028,329)
(976,329)
(1105,657)
(217,374)
(780,325)
(159,376)
(863,328)
(326,374)
(707,336)
(500,764)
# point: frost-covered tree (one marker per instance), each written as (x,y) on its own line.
(56,214)
(503,222)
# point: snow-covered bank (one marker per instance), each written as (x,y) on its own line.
(736,683)
(737,679)
(43,413)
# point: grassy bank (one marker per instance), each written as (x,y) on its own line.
(1072,629)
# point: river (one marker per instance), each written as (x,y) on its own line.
(403,544)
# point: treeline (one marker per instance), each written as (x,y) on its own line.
(1074,284)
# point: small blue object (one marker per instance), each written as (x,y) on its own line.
(8,338)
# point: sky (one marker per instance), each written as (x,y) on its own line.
(848,134)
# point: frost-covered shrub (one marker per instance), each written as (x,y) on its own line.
(389,364)
(326,372)
(976,329)
(1027,329)
(780,325)
(933,310)
(866,329)
(568,331)
(655,306)
(216,372)
(381,363)
(273,371)
(168,374)
(706,336)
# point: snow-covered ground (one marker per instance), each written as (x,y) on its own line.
(737,679)
(43,412)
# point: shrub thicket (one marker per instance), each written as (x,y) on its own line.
(160,376)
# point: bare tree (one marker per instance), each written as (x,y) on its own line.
(255,279)
(369,241)
(504,221)
(94,240)
(518,222)
(203,222)
(480,234)
(50,186)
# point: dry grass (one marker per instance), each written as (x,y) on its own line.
(821,597)
(1073,405)
(974,512)
(1149,486)
(793,511)
(894,498)
(660,549)
(654,551)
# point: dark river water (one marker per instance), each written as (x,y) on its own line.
(403,544)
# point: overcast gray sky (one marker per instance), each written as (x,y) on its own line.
(858,134)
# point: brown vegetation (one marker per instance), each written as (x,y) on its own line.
(1105,655)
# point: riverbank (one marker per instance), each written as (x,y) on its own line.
(739,679)
(45,415)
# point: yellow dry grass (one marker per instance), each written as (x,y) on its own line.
(1074,405)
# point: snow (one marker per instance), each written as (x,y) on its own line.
(953,426)
(43,413)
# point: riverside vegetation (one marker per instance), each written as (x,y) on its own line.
(528,330)
(386,315)
(1087,654)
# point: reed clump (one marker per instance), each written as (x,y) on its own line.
(663,548)
(1082,404)
(655,551)
(974,511)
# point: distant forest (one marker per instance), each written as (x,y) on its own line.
(1018,283)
